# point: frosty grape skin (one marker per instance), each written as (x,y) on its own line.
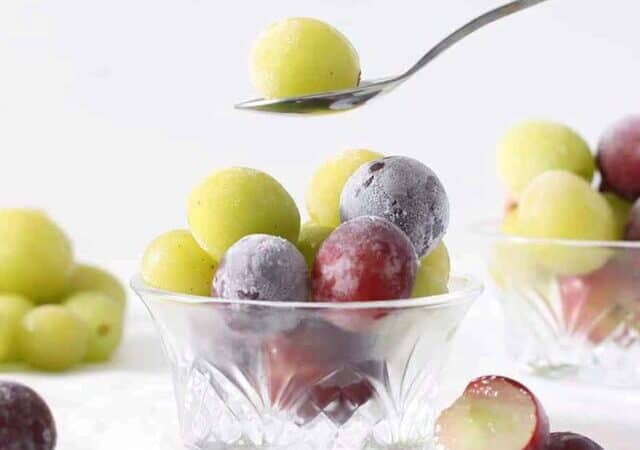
(327,182)
(262,267)
(174,261)
(300,56)
(365,259)
(235,202)
(405,192)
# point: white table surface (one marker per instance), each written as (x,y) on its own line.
(128,404)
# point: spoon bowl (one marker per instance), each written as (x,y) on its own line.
(347,99)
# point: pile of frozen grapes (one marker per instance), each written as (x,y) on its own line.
(54,313)
(375,234)
(550,173)
(559,190)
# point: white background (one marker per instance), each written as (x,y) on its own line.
(111,111)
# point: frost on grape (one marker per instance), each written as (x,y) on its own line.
(403,191)
(262,267)
(367,258)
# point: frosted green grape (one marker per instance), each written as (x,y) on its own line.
(35,255)
(327,183)
(12,309)
(103,315)
(53,338)
(233,203)
(311,238)
(302,56)
(433,273)
(562,205)
(532,148)
(175,262)
(89,278)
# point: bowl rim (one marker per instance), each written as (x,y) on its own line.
(490,229)
(470,291)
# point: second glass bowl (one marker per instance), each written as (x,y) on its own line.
(572,308)
(282,375)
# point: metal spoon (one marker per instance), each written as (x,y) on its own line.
(344,100)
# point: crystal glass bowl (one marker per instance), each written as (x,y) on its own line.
(303,375)
(572,308)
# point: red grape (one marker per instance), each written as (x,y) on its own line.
(25,419)
(598,303)
(365,259)
(571,441)
(633,227)
(317,367)
(619,158)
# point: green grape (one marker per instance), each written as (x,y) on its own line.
(561,205)
(311,238)
(302,56)
(621,212)
(104,317)
(433,273)
(12,309)
(35,255)
(509,223)
(532,148)
(90,278)
(327,183)
(53,338)
(233,203)
(175,262)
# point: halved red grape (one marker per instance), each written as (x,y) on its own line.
(619,158)
(25,419)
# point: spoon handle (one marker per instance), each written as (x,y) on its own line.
(461,33)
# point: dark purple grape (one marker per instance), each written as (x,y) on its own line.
(403,191)
(571,441)
(26,422)
(619,158)
(262,267)
(633,227)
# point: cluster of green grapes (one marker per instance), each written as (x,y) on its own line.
(54,313)
(302,56)
(549,171)
(236,202)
